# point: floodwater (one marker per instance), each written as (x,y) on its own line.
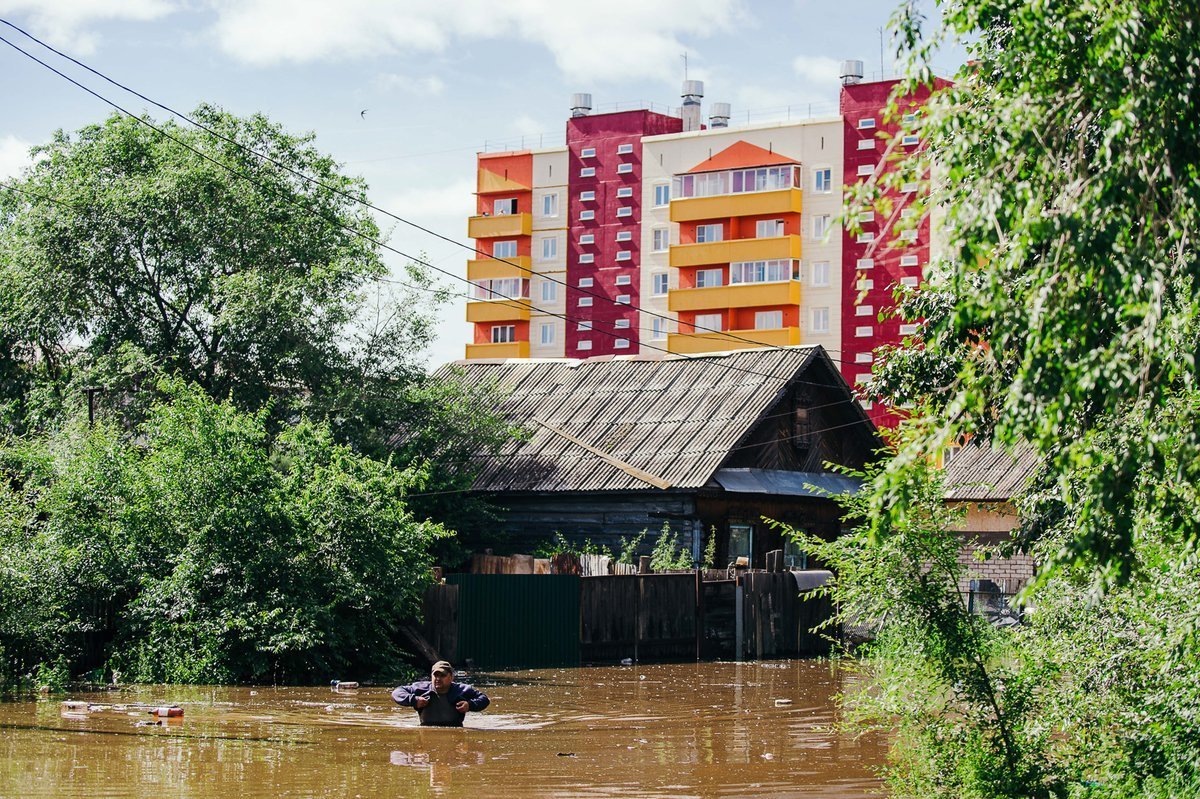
(682,730)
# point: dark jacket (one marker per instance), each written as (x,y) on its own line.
(407,695)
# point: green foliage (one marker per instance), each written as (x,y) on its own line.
(710,549)
(668,554)
(560,545)
(207,550)
(630,547)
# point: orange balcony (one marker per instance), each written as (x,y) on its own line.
(690,343)
(498,311)
(743,295)
(504,225)
(491,269)
(513,349)
(728,252)
(726,206)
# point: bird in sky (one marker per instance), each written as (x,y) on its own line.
(363,113)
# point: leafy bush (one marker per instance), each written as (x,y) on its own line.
(668,555)
(630,546)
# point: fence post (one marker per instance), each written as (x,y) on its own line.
(699,613)
(738,622)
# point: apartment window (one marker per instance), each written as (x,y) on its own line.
(768,320)
(709,233)
(908,260)
(866,238)
(624,235)
(621,324)
(820,320)
(660,283)
(662,239)
(709,278)
(585,325)
(864,310)
(625,191)
(505,207)
(504,249)
(662,194)
(768,228)
(865,284)
(587,172)
(910,139)
(774,271)
(585,302)
(820,225)
(624,211)
(624,149)
(864,357)
(549,249)
(909,282)
(624,280)
(586,282)
(866,124)
(864,332)
(866,169)
(587,152)
(587,196)
(866,216)
(866,144)
(587,238)
(909,329)
(587,216)
(549,291)
(823,180)
(621,344)
(624,299)
(501,288)
(587,257)
(909,188)
(504,334)
(584,345)
(624,255)
(908,235)
(908,213)
(708,322)
(866,263)
(863,378)
(624,169)
(546,333)
(820,274)
(910,118)
(659,328)
(549,205)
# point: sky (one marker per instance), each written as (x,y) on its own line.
(438,80)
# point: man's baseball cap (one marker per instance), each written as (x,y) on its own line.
(442,667)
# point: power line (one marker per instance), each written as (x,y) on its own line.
(642,309)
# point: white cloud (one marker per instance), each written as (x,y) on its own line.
(820,70)
(628,39)
(427,86)
(14,155)
(66,23)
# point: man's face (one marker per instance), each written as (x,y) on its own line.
(442,680)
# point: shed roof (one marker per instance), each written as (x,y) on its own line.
(632,423)
(979,472)
(783,483)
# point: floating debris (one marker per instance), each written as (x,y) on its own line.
(339,685)
(174,711)
(782,702)
(566,754)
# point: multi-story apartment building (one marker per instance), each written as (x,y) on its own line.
(651,233)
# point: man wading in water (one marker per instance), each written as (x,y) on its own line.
(441,702)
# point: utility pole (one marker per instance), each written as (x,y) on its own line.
(91,392)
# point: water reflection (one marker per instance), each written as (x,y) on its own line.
(668,730)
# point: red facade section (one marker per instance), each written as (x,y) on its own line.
(610,146)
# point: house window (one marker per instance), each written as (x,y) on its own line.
(504,334)
(866,216)
(662,194)
(624,255)
(910,118)
(768,320)
(866,263)
(625,211)
(546,333)
(707,322)
(621,344)
(708,278)
(866,238)
(549,291)
(623,280)
(823,180)
(624,299)
(709,233)
(909,329)
(864,310)
(587,238)
(820,226)
(587,196)
(624,169)
(908,260)
(741,542)
(774,271)
(662,239)
(549,249)
(659,328)
(587,152)
(550,205)
(909,188)
(586,282)
(864,332)
(587,216)
(864,357)
(820,320)
(585,302)
(866,169)
(506,207)
(866,144)
(820,274)
(587,172)
(908,235)
(625,191)
(660,282)
(910,140)
(866,124)
(624,235)
(587,257)
(585,325)
(865,284)
(585,345)
(908,213)
(768,228)
(624,149)
(621,324)
(909,282)
(504,249)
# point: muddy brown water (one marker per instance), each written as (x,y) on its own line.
(706,729)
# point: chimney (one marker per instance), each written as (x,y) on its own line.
(719,116)
(581,104)
(693,91)
(852,72)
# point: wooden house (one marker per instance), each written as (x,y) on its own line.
(617,445)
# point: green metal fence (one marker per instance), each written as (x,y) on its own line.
(517,620)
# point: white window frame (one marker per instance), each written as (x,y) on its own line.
(504,249)
(864,357)
(624,149)
(587,152)
(866,169)
(865,263)
(624,191)
(821,224)
(621,344)
(549,291)
(624,169)
(864,331)
(761,317)
(910,140)
(623,280)
(621,324)
(908,235)
(908,260)
(865,284)
(911,281)
(550,205)
(708,322)
(773,228)
(506,202)
(587,196)
(660,239)
(819,319)
(587,172)
(587,215)
(586,282)
(585,302)
(584,324)
(866,237)
(819,272)
(710,233)
(504,334)
(866,144)
(584,345)
(624,235)
(624,255)
(587,238)
(866,123)
(909,329)
(624,211)
(864,310)
(660,283)
(823,180)
(662,194)
(659,328)
(546,333)
(710,278)
(624,299)
(549,248)
(587,258)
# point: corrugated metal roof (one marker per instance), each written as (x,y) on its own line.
(793,484)
(675,418)
(979,472)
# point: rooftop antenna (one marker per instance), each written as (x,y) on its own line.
(684,57)
(881,76)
